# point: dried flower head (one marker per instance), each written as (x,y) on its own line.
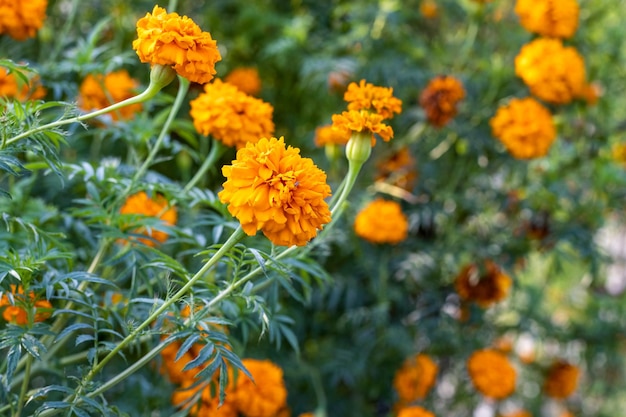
(525,127)
(351,121)
(553,72)
(171,40)
(382,221)
(270,187)
(12,86)
(562,380)
(100,91)
(230,115)
(21,19)
(414,411)
(327,135)
(142,204)
(398,169)
(492,374)
(484,287)
(264,397)
(366,96)
(414,380)
(440,98)
(19,308)
(245,79)
(550,18)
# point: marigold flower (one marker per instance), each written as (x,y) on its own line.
(366,96)
(440,98)
(327,135)
(22,19)
(100,91)
(561,380)
(382,221)
(414,411)
(492,374)
(17,311)
(264,397)
(142,204)
(525,127)
(429,9)
(551,18)
(171,40)
(518,413)
(348,122)
(398,169)
(482,287)
(415,378)
(12,86)
(230,115)
(618,152)
(273,189)
(208,406)
(553,72)
(245,79)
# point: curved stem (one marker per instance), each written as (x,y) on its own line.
(217,150)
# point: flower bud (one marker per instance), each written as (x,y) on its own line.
(359,147)
(161,76)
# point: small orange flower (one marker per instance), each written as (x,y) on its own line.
(414,411)
(366,96)
(518,413)
(273,189)
(429,9)
(618,152)
(17,311)
(382,221)
(327,135)
(553,72)
(100,91)
(142,204)
(230,115)
(21,19)
(414,380)
(484,288)
(398,169)
(440,98)
(264,397)
(492,374)
(171,40)
(561,380)
(550,18)
(245,79)
(525,127)
(12,86)
(348,122)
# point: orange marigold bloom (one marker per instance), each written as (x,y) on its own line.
(492,374)
(366,96)
(264,397)
(518,413)
(22,19)
(561,380)
(553,72)
(142,204)
(618,151)
(12,86)
(270,187)
(429,9)
(100,91)
(414,411)
(398,169)
(208,405)
(551,18)
(17,311)
(525,127)
(361,121)
(230,115)
(245,79)
(484,287)
(327,135)
(440,98)
(382,221)
(171,40)
(414,380)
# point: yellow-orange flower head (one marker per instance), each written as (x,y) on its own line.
(414,380)
(171,40)
(561,380)
(492,374)
(429,9)
(264,397)
(366,96)
(327,135)
(484,288)
(518,413)
(414,411)
(100,91)
(553,72)
(382,221)
(17,312)
(440,98)
(525,127)
(270,187)
(348,122)
(141,203)
(245,79)
(21,19)
(12,86)
(230,115)
(550,18)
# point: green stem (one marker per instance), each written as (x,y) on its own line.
(217,150)
(20,401)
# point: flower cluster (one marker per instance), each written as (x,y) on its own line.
(12,86)
(561,380)
(270,187)
(100,91)
(171,40)
(21,309)
(157,206)
(415,378)
(414,411)
(484,285)
(245,79)
(553,72)
(22,19)
(525,127)
(440,98)
(398,169)
(551,18)
(492,374)
(382,221)
(230,115)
